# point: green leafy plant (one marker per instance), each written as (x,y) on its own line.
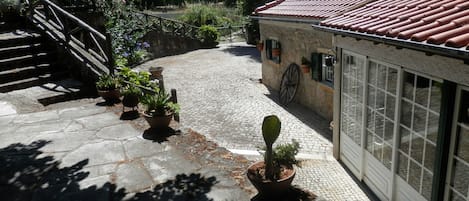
(208,35)
(281,155)
(107,82)
(131,90)
(127,31)
(140,78)
(159,104)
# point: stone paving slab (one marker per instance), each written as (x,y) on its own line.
(6,108)
(103,158)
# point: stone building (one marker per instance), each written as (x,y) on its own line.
(402,97)
(286,24)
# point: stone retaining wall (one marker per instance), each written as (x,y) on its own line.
(165,44)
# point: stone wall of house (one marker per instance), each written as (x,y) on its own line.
(297,40)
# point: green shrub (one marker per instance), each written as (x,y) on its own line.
(208,35)
(7,6)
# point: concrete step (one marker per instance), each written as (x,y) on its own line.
(19,37)
(55,91)
(27,60)
(25,83)
(22,50)
(24,73)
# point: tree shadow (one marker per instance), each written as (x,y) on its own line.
(250,51)
(182,188)
(293,194)
(159,134)
(27,174)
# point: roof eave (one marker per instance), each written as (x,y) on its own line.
(287,19)
(459,53)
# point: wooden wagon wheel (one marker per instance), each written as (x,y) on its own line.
(289,84)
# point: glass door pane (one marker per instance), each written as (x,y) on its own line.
(353,68)
(381,104)
(458,187)
(421,98)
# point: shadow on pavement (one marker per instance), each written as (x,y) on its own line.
(130,115)
(244,51)
(294,194)
(27,175)
(305,115)
(159,134)
(183,187)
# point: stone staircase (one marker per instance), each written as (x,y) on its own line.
(28,67)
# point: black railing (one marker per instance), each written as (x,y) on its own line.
(172,26)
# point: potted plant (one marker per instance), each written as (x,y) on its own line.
(273,176)
(159,109)
(260,45)
(131,95)
(108,87)
(305,65)
(275,51)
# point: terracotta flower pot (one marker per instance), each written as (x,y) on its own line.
(110,95)
(276,52)
(267,188)
(305,68)
(260,46)
(158,121)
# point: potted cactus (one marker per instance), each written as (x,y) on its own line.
(108,87)
(273,176)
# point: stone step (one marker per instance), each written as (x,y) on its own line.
(22,50)
(19,38)
(24,73)
(55,91)
(25,83)
(27,60)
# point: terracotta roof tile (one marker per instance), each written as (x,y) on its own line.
(439,22)
(318,9)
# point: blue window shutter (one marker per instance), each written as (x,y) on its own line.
(316,66)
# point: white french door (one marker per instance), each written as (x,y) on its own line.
(352,99)
(457,183)
(381,103)
(389,127)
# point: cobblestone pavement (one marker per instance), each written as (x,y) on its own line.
(222,98)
